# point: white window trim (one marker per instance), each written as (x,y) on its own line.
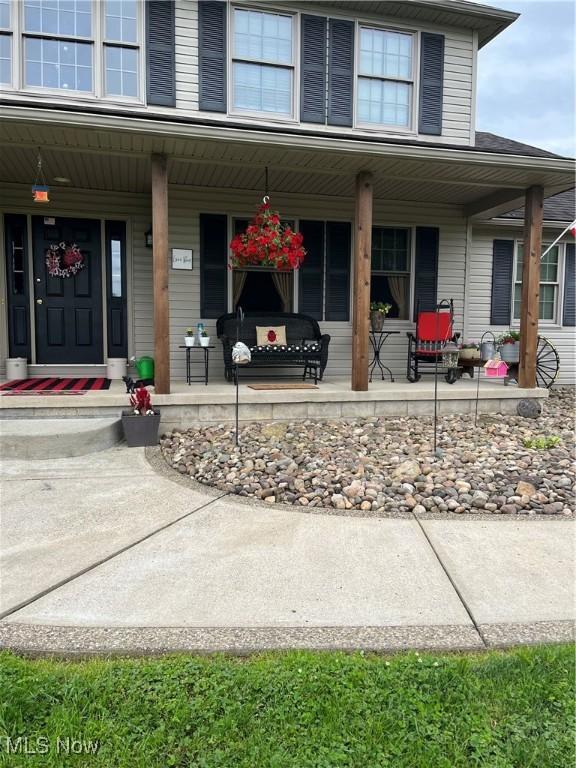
(412,128)
(98,42)
(294,117)
(399,322)
(556,322)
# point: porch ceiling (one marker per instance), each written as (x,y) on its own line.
(119,160)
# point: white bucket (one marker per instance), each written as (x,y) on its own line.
(16,368)
(116,367)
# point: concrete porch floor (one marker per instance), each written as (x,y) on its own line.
(333,398)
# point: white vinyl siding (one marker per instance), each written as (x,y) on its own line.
(479,283)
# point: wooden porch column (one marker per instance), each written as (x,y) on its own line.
(362,269)
(160,274)
(530,306)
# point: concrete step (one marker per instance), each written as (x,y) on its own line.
(57,438)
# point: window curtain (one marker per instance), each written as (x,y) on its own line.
(238,283)
(397,285)
(283,284)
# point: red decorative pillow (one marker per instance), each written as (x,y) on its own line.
(271,335)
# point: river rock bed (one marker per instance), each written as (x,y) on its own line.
(385,465)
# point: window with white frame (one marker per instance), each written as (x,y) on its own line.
(262,62)
(79,46)
(5,43)
(391,269)
(549,283)
(385,89)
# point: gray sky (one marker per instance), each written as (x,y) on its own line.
(526,86)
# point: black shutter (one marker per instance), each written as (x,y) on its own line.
(313,70)
(426,269)
(431,83)
(569,312)
(160,44)
(338,249)
(502,270)
(340,72)
(311,285)
(16,239)
(213,265)
(212,55)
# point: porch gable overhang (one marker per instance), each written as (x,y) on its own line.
(483,183)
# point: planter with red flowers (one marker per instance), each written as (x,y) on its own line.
(266,242)
(141,424)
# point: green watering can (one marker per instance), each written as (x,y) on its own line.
(144,367)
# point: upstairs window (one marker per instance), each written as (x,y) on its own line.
(385,78)
(263,63)
(5,43)
(391,269)
(85,47)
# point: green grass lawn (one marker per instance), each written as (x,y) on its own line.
(297,710)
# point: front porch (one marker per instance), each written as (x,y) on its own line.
(195,404)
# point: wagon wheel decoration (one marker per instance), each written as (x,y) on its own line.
(64,259)
(547,363)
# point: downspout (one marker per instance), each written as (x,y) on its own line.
(467,251)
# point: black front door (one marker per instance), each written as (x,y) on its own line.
(68,308)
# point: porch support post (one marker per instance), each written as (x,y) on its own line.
(160,274)
(530,306)
(362,269)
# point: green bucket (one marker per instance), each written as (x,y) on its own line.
(145,367)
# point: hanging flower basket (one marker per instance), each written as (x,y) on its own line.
(64,260)
(267,243)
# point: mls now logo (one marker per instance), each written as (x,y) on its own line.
(71,746)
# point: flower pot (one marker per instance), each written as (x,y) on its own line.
(16,368)
(204,341)
(140,430)
(469,354)
(377,321)
(189,341)
(487,350)
(510,353)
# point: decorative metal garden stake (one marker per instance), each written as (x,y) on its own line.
(444,304)
(239,321)
(485,335)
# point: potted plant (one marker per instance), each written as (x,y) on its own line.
(378,311)
(470,351)
(204,339)
(509,346)
(141,424)
(189,338)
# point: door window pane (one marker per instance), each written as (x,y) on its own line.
(58,64)
(385,54)
(5,59)
(262,36)
(121,24)
(116,267)
(121,71)
(390,281)
(384,102)
(259,88)
(58,17)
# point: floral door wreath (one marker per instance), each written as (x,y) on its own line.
(64,260)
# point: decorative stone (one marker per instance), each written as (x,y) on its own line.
(525,489)
(529,409)
(407,470)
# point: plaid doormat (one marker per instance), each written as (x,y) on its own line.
(48,386)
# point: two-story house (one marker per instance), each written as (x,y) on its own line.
(158,127)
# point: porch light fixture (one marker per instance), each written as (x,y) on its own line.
(40,189)
(148,237)
(450,353)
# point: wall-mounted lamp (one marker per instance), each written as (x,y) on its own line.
(148,238)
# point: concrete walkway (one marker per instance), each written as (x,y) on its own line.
(101,554)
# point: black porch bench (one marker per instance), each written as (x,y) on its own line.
(306,346)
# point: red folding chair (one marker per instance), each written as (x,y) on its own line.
(433,331)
